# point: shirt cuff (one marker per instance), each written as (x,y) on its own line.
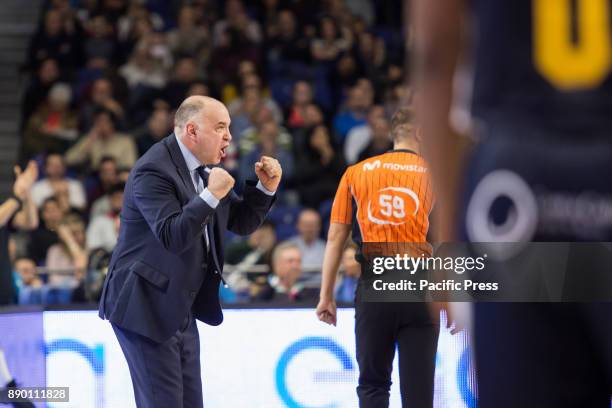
(264,190)
(209,198)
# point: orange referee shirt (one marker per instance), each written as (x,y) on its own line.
(390,196)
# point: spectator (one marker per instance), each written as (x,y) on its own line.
(345,291)
(47,75)
(52,41)
(53,126)
(17,211)
(360,136)
(185,73)
(67,260)
(245,255)
(285,44)
(236,19)
(106,177)
(102,140)
(287,273)
(371,54)
(190,37)
(158,126)
(252,82)
(302,97)
(102,97)
(233,49)
(42,238)
(320,167)
(330,42)
(250,137)
(147,68)
(101,41)
(381,141)
(267,145)
(355,112)
(309,242)
(103,230)
(57,184)
(29,285)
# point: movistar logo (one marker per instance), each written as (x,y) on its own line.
(371,166)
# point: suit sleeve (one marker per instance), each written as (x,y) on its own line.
(342,209)
(175,226)
(248,212)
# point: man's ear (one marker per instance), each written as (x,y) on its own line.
(190,130)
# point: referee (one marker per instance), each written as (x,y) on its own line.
(385,205)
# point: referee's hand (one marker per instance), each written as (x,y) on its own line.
(326,311)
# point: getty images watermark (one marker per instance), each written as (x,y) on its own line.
(491,272)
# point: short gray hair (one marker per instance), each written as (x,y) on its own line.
(188,109)
(283,246)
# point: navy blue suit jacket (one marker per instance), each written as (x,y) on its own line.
(160,267)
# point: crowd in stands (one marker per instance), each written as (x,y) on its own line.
(312,83)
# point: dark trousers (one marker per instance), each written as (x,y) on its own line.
(379,328)
(165,374)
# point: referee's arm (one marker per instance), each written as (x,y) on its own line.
(336,239)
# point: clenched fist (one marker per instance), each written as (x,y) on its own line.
(269,172)
(220,182)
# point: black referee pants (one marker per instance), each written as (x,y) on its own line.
(379,328)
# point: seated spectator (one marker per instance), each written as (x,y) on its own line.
(148,66)
(29,283)
(330,42)
(381,140)
(101,97)
(191,37)
(101,182)
(237,19)
(320,167)
(285,44)
(302,97)
(371,54)
(184,74)
(360,136)
(267,145)
(53,126)
(249,138)
(253,82)
(256,250)
(102,140)
(67,260)
(52,41)
(158,126)
(313,116)
(47,75)
(42,238)
(103,229)
(351,271)
(354,113)
(198,87)
(100,42)
(309,241)
(56,183)
(232,51)
(287,274)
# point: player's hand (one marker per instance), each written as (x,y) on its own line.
(25,179)
(452,323)
(269,172)
(326,311)
(220,182)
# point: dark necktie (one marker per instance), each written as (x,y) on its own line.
(211,225)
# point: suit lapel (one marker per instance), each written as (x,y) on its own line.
(179,162)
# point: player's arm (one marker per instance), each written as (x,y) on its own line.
(438,42)
(339,229)
(438,39)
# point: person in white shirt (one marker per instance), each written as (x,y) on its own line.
(359,137)
(308,241)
